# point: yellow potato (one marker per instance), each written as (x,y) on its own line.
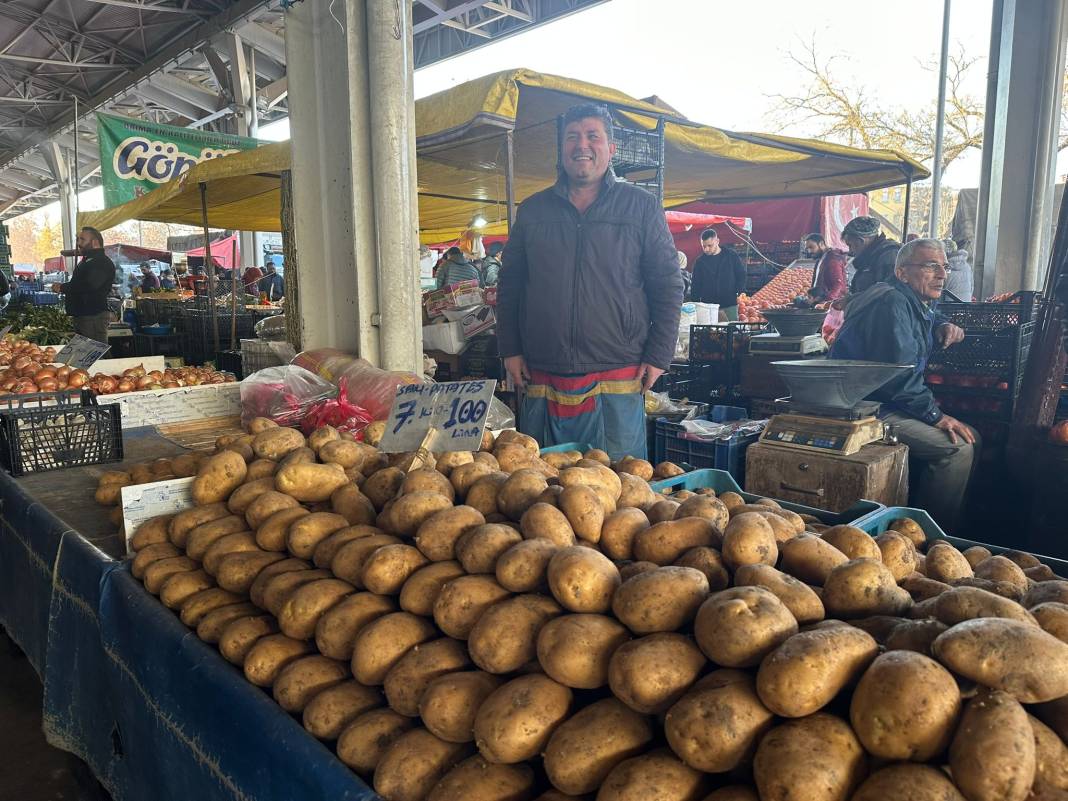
(804,604)
(905,781)
(1045,592)
(816,757)
(651,673)
(449,703)
(302,679)
(322,435)
(188,519)
(662,599)
(619,532)
(311,483)
(382,642)
(965,603)
(1053,618)
(421,589)
(437,535)
(353,505)
(240,542)
(157,573)
(946,563)
(307,531)
(519,492)
(411,510)
(505,637)
(266,505)
(269,655)
(149,554)
(278,588)
(576,650)
(406,681)
(462,601)
(363,742)
(259,584)
(218,477)
(214,623)
(524,567)
(383,486)
(748,540)
(515,722)
(810,559)
(386,569)
(153,531)
(272,533)
(584,512)
(740,626)
(480,547)
(542,521)
(241,634)
(863,587)
(706,506)
(897,553)
(482,495)
(475,779)
(276,443)
(582,579)
(179,587)
(414,763)
(349,561)
(327,549)
(337,627)
(356,455)
(656,775)
(993,752)
(202,537)
(464,476)
(663,543)
(332,709)
(708,561)
(308,603)
(243,496)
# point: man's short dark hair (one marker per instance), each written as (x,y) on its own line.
(494,248)
(95,234)
(709,233)
(585,111)
(453,251)
(817,238)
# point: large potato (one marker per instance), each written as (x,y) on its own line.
(427,479)
(461,602)
(237,571)
(597,477)
(259,584)
(413,764)
(1042,592)
(153,531)
(807,671)
(619,531)
(299,681)
(201,538)
(450,460)
(436,537)
(946,563)
(802,601)
(524,566)
(1053,618)
(179,587)
(214,623)
(515,722)
(363,742)
(302,455)
(197,606)
(322,435)
(408,679)
(1051,756)
(330,711)
(542,521)
(157,573)
(710,562)
(651,673)
(1017,658)
(383,486)
(152,553)
(748,540)
(241,634)
(921,588)
(506,635)
(275,443)
(662,599)
(410,511)
(272,532)
(863,587)
(382,642)
(310,483)
(217,478)
(897,553)
(584,512)
(421,589)
(635,492)
(449,703)
(240,542)
(582,579)
(656,776)
(907,782)
(327,549)
(999,568)
(351,557)
(475,779)
(464,476)
(269,655)
(519,492)
(306,604)
(349,455)
(663,543)
(966,603)
(716,725)
(810,559)
(388,568)
(708,507)
(483,493)
(480,548)
(914,635)
(852,541)
(336,629)
(740,626)
(585,748)
(279,587)
(905,707)
(816,758)
(993,753)
(353,505)
(576,650)
(243,496)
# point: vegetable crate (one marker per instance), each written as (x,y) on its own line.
(198,341)
(673,445)
(677,382)
(258,355)
(979,318)
(54,430)
(715,357)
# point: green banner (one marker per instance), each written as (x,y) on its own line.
(138,156)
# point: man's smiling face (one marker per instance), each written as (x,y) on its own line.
(587,151)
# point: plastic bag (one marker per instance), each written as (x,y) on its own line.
(284,394)
(831,323)
(365,385)
(339,413)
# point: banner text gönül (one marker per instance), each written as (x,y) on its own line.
(138,156)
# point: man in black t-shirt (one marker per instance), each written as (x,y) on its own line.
(718,275)
(86,293)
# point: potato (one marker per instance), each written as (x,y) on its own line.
(897,553)
(218,477)
(464,476)
(666,470)
(276,443)
(214,623)
(1046,591)
(635,467)
(332,709)
(542,521)
(1024,560)
(337,627)
(635,492)
(482,495)
(157,573)
(515,722)
(514,458)
(922,588)
(179,587)
(449,703)
(1051,755)
(382,642)
(353,505)
(582,579)
(347,454)
(505,636)
(348,563)
(1053,618)
(475,779)
(327,548)
(716,725)
(1005,589)
(656,776)
(583,511)
(302,679)
(663,599)
(427,479)
(265,505)
(907,783)
(585,748)
(663,511)
(575,650)
(241,634)
(993,752)
(852,541)
(240,542)
(408,678)
(259,424)
(810,559)
(595,476)
(708,507)
(708,561)
(149,554)
(998,568)
(913,635)
(462,601)
(749,539)
(277,589)
(1040,573)
(269,655)
(519,492)
(387,568)
(863,587)
(268,572)
(153,531)
(111,494)
(302,455)
(410,511)
(302,609)
(368,736)
(816,757)
(1018,658)
(905,707)
(480,547)
(322,435)
(449,461)
(310,483)
(383,486)
(202,537)
(807,671)
(651,673)
(188,519)
(740,626)
(804,604)
(965,603)
(413,764)
(910,529)
(946,563)
(663,543)
(524,566)
(185,465)
(243,496)
(436,536)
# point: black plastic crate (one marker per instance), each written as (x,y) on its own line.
(1001,354)
(229,361)
(721,343)
(54,430)
(727,454)
(676,382)
(993,317)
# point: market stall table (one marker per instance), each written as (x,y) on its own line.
(151,709)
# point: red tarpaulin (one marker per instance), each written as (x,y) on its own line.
(226,252)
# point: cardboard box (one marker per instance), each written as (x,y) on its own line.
(478,320)
(446,337)
(155,406)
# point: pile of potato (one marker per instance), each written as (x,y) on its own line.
(501,626)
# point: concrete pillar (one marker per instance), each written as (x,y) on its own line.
(354,179)
(60,167)
(242,89)
(1015,213)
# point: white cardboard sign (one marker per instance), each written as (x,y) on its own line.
(456,409)
(142,502)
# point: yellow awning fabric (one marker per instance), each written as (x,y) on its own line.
(462,153)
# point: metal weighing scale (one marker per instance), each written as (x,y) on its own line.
(797,333)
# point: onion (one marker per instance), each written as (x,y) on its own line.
(155,375)
(21,362)
(154,386)
(143,381)
(44,372)
(126,385)
(64,371)
(108,384)
(170,384)
(48,384)
(77,378)
(7,384)
(25,387)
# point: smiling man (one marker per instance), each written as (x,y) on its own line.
(894,322)
(589,298)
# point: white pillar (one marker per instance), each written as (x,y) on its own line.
(60,167)
(1015,212)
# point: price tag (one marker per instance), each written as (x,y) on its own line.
(456,409)
(81,352)
(142,502)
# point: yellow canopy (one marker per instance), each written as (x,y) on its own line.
(462,155)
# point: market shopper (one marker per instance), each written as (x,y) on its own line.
(718,275)
(960,281)
(829,274)
(272,284)
(86,294)
(872,251)
(456,269)
(250,279)
(491,265)
(894,322)
(166,279)
(589,298)
(149,280)
(687,278)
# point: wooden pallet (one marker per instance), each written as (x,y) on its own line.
(200,434)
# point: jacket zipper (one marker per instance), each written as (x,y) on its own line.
(574,289)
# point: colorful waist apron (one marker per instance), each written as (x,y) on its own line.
(604,410)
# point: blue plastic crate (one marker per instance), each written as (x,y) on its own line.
(721,482)
(879,521)
(581,447)
(720,454)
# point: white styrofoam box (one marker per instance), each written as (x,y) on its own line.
(446,337)
(116,366)
(155,406)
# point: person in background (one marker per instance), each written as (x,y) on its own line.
(718,275)
(828,277)
(87,291)
(149,280)
(589,298)
(250,279)
(491,265)
(184,278)
(456,269)
(166,279)
(872,251)
(687,279)
(895,321)
(272,285)
(960,281)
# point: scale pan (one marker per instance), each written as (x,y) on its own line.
(795,322)
(837,383)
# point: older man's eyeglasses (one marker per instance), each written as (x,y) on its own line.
(929,267)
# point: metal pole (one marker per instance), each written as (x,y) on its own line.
(940,126)
(908,204)
(209,268)
(509,176)
(233,293)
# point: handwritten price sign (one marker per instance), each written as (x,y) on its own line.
(457,410)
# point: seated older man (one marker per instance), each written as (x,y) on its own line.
(894,322)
